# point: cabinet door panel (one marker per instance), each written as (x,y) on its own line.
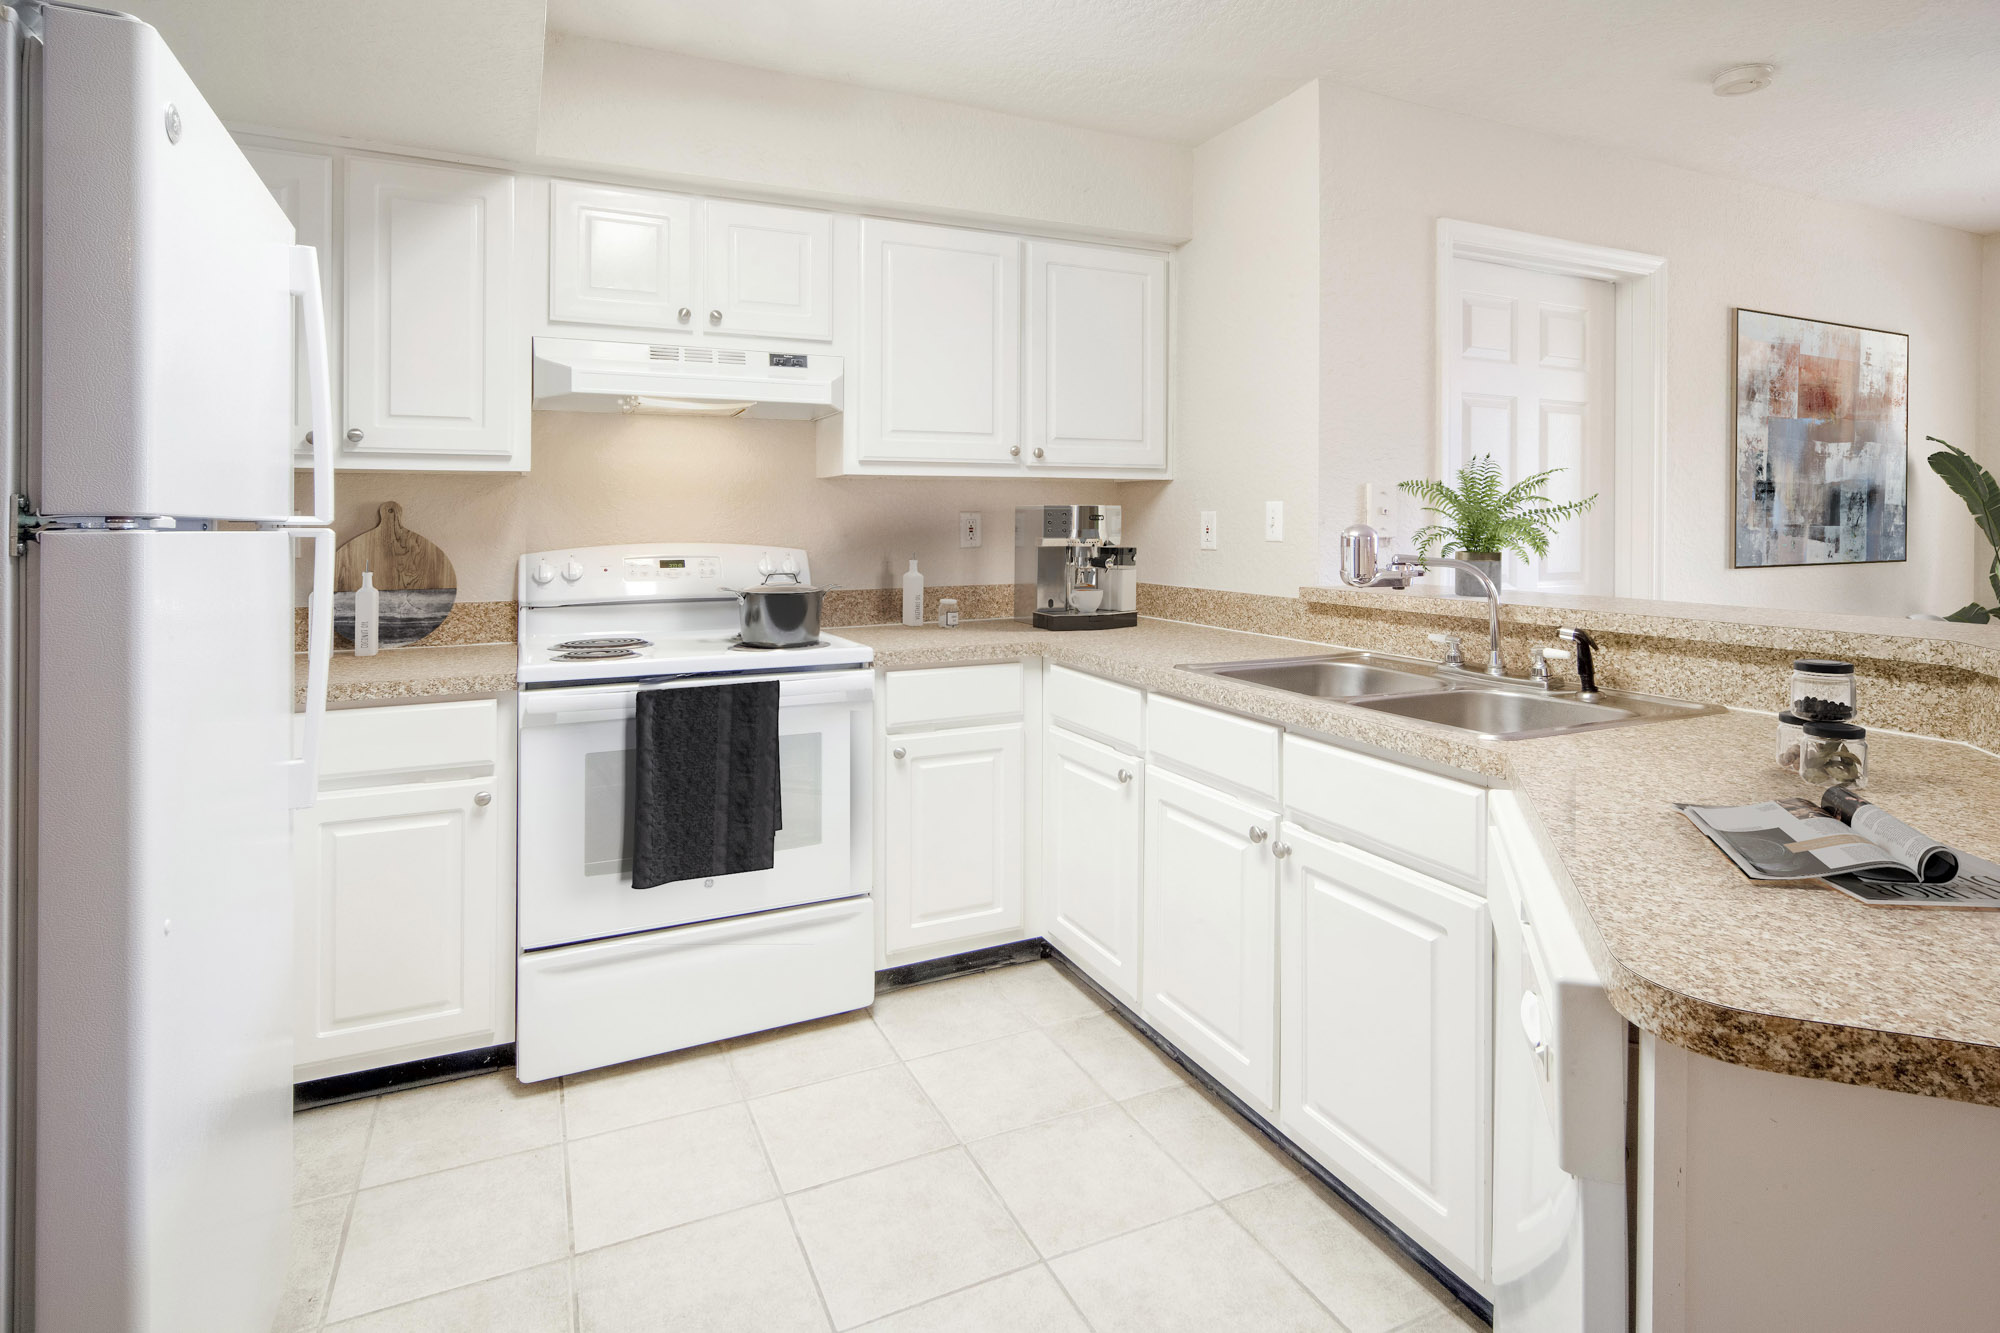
(955,834)
(1097,356)
(302,183)
(433,366)
(398,906)
(1092,840)
(767,271)
(941,333)
(1386,1033)
(620,257)
(1210,962)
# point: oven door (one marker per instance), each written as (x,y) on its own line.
(577,790)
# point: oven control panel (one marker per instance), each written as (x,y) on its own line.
(600,574)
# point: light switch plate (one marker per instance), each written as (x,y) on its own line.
(1208,529)
(968,528)
(1274,520)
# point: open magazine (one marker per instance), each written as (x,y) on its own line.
(1859,848)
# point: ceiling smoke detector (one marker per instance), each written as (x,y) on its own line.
(1740,79)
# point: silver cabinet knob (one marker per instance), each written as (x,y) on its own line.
(1258,835)
(482,798)
(1281,850)
(900,752)
(308,439)
(354,434)
(1124,775)
(715,316)
(1038,453)
(686,314)
(1014,451)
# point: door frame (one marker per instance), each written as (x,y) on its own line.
(1639,376)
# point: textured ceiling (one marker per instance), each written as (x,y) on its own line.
(1892,105)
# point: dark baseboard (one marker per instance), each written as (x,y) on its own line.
(1418,1255)
(959,964)
(395,1078)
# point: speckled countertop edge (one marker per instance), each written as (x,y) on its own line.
(1919,1044)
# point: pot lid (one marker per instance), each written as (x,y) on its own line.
(766,589)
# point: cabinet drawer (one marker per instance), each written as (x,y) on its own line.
(1228,749)
(400,742)
(1096,707)
(1412,817)
(940,696)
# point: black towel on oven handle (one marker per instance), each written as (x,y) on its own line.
(708,800)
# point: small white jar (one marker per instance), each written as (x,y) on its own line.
(947,613)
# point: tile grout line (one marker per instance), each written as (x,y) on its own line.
(777,1181)
(347,1217)
(569,1209)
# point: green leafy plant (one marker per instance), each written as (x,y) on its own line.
(1974,485)
(1481,518)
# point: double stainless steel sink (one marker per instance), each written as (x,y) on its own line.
(1488,707)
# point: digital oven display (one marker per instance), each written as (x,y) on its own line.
(673,564)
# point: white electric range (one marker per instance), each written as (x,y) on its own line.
(608,973)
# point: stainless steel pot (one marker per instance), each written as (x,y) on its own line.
(781,615)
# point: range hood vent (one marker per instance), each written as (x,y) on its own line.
(669,379)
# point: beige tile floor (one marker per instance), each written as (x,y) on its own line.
(993,1152)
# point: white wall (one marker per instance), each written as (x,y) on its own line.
(1246,403)
(1391,169)
(1988,448)
(603,478)
(728,127)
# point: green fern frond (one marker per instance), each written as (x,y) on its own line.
(1482,513)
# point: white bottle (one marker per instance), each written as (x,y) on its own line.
(367,616)
(913,595)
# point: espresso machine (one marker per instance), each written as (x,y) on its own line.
(1070,571)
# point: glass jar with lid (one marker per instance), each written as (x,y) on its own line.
(1822,689)
(1789,737)
(1834,753)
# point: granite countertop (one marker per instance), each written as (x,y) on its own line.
(1794,979)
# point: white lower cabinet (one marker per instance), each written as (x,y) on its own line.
(955,834)
(1093,833)
(1209,969)
(403,893)
(1387,1038)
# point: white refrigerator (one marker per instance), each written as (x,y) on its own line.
(152,288)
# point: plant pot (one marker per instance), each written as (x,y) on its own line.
(1489,564)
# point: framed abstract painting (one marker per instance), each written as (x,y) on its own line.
(1822,442)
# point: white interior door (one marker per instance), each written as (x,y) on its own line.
(1529,364)
(621,256)
(1092,831)
(1097,356)
(767,271)
(941,332)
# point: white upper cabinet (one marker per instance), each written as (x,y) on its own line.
(302,183)
(437,366)
(622,257)
(1097,357)
(767,271)
(940,345)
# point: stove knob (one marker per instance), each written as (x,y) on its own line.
(542,573)
(572,571)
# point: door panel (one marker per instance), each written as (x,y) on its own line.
(941,328)
(955,834)
(302,183)
(767,271)
(1097,357)
(1210,963)
(432,364)
(1093,806)
(1387,1037)
(621,257)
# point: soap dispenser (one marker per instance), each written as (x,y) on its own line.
(913,595)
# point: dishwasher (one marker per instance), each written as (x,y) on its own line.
(1561,1262)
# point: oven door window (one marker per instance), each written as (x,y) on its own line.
(611,792)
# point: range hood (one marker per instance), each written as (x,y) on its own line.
(676,379)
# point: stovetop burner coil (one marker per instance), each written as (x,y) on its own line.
(607,641)
(594,654)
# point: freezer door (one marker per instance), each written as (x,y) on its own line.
(162,894)
(166,290)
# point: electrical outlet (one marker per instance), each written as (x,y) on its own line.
(968,528)
(1274,520)
(1208,529)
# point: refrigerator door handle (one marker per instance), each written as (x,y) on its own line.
(306,285)
(319,655)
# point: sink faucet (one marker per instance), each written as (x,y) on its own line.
(1360,547)
(1586,670)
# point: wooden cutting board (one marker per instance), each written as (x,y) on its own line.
(415,579)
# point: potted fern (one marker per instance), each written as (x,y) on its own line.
(1974,485)
(1482,519)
